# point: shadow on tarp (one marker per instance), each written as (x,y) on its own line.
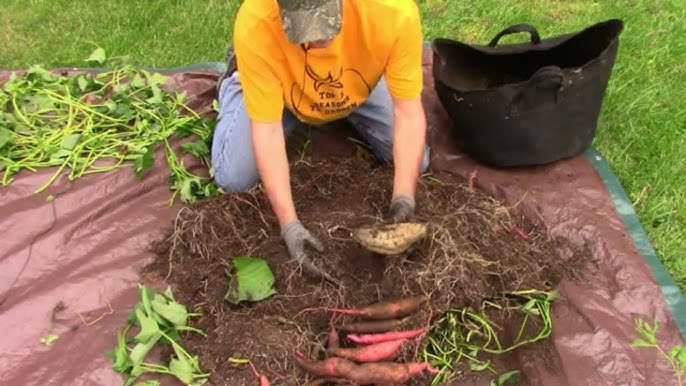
(88,245)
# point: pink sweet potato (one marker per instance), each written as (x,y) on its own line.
(365,373)
(385,336)
(378,352)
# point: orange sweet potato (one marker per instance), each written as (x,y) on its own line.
(382,310)
(378,352)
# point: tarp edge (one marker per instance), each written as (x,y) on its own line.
(625,210)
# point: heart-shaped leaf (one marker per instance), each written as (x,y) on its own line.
(253,280)
(149,327)
(172,311)
(98,55)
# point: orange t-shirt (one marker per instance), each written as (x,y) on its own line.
(378,38)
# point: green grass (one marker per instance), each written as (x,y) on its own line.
(643,124)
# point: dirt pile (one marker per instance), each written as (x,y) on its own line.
(476,249)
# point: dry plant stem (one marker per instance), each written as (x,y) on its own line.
(83,320)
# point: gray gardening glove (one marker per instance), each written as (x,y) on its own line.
(401,209)
(297,238)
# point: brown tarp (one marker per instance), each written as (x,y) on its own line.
(88,244)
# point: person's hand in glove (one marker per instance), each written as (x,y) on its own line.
(297,239)
(401,209)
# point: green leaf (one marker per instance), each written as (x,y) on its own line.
(69,141)
(83,83)
(155,79)
(509,377)
(120,356)
(149,327)
(197,148)
(131,318)
(157,97)
(146,296)
(674,352)
(554,295)
(480,366)
(111,105)
(141,350)
(144,161)
(152,382)
(253,281)
(183,367)
(5,137)
(185,189)
(172,311)
(121,89)
(98,55)
(681,356)
(36,72)
(60,154)
(48,340)
(168,293)
(138,81)
(181,97)
(530,307)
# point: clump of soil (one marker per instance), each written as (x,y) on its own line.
(477,248)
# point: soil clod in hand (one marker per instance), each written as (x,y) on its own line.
(390,239)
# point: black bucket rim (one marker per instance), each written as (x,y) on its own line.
(615,24)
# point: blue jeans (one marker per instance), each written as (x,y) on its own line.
(233,160)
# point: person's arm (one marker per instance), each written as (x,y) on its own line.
(263,97)
(409,133)
(272,164)
(404,76)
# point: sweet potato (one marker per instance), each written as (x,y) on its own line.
(390,239)
(372,326)
(385,336)
(382,310)
(378,352)
(365,373)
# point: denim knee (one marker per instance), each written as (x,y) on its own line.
(232,179)
(233,162)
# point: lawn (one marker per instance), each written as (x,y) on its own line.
(643,125)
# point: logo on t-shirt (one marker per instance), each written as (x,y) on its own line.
(332,95)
